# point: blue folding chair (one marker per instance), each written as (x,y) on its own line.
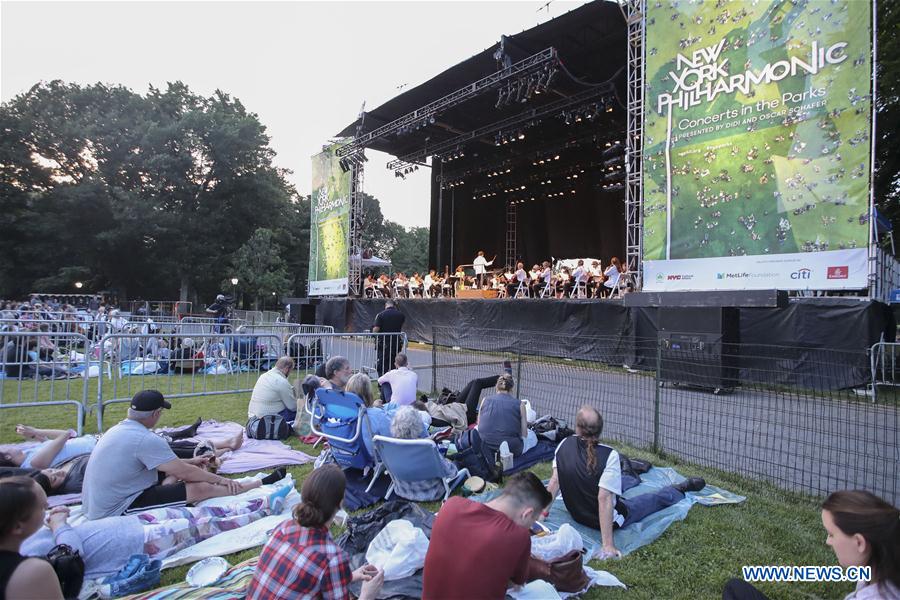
(338,417)
(414,460)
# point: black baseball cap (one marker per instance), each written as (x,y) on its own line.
(149,400)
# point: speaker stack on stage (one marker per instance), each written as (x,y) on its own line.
(698,346)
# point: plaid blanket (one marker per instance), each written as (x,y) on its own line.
(231,586)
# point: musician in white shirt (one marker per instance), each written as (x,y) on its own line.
(580,275)
(613,272)
(547,278)
(479,265)
(519,277)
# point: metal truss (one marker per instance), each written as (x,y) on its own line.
(511,235)
(635,18)
(354,274)
(425,114)
(419,156)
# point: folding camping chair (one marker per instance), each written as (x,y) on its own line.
(338,417)
(414,460)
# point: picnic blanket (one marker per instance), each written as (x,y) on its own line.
(543,452)
(637,535)
(253,454)
(356,496)
(231,586)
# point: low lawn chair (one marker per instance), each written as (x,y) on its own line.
(338,417)
(414,460)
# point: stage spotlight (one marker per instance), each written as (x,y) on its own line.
(499,99)
(529,90)
(550,76)
(556,157)
(521,135)
(344,165)
(431,120)
(568,119)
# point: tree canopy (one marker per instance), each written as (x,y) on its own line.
(157,196)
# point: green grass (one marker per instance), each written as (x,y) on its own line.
(693,559)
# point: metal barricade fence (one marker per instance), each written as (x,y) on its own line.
(883,358)
(43,369)
(283,330)
(369,353)
(230,363)
(795,417)
(204,326)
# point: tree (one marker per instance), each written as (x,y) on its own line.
(259,267)
(148,195)
(411,252)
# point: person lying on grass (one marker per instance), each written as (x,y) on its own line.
(591,480)
(63,458)
(132,469)
(106,544)
(864,531)
(301,560)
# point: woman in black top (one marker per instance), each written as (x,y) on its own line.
(22,507)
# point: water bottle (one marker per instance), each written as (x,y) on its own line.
(506,457)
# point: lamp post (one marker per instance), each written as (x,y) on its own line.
(78,285)
(234,282)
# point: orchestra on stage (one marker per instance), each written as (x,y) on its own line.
(585,279)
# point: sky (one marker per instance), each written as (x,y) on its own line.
(304,68)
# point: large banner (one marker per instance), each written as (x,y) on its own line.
(757,139)
(329,230)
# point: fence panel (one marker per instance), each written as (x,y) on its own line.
(883,358)
(797,417)
(42,369)
(370,353)
(182,366)
(816,436)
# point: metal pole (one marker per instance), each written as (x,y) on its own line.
(434,361)
(518,374)
(657,383)
(873,231)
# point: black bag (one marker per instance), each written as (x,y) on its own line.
(69,567)
(269,427)
(549,428)
(473,455)
(447,396)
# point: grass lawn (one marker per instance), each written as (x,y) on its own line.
(693,559)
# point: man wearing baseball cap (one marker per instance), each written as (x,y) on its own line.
(132,469)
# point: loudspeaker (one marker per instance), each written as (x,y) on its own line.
(699,346)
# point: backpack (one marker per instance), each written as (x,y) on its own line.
(474,456)
(69,567)
(269,427)
(447,396)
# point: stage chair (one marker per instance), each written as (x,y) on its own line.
(579,290)
(623,281)
(521,291)
(548,290)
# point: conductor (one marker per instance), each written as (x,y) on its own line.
(479,265)
(388,321)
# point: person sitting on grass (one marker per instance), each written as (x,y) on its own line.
(398,386)
(502,418)
(495,537)
(301,560)
(132,469)
(273,393)
(863,531)
(22,507)
(407,425)
(337,372)
(590,477)
(65,470)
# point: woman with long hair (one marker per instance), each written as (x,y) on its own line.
(301,560)
(22,507)
(864,531)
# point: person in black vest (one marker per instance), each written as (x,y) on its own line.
(591,480)
(390,320)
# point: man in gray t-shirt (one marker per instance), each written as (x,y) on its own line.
(123,473)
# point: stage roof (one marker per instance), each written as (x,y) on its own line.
(590,40)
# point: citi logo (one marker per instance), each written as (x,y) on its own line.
(801,274)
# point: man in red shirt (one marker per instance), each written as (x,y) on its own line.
(476,549)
